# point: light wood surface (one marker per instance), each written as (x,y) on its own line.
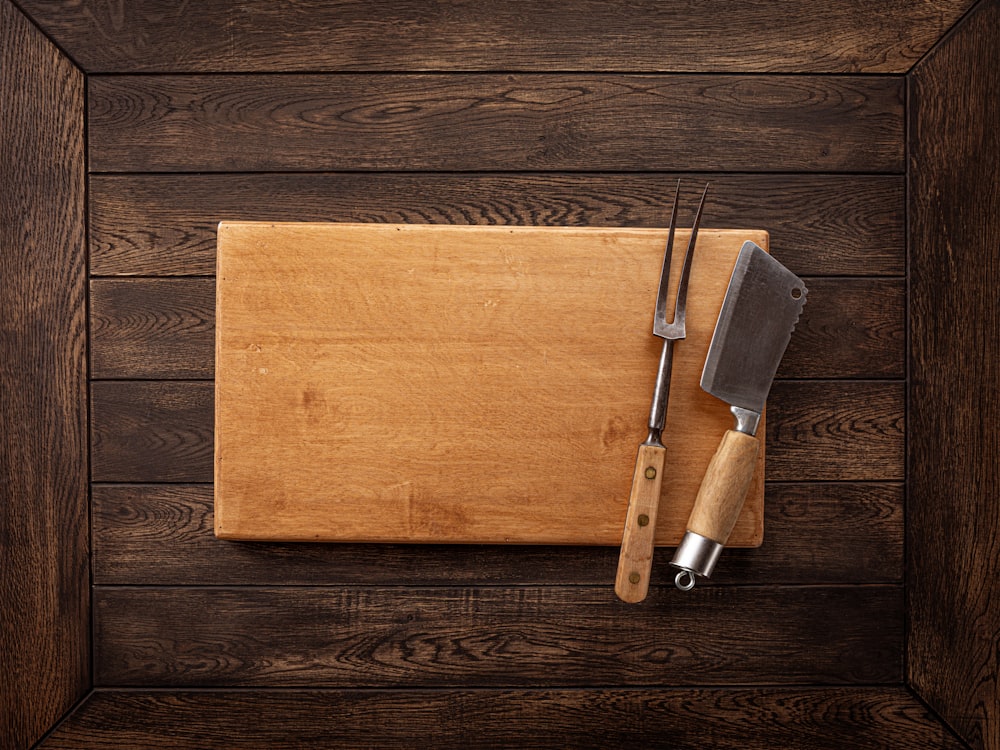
(720,497)
(456,384)
(636,558)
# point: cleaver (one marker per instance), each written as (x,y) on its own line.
(759,313)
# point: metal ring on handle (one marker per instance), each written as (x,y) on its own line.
(690,580)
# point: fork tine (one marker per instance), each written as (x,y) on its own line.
(680,307)
(660,312)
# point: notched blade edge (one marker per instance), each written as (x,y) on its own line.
(755,324)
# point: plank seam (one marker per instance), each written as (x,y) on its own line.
(185,277)
(41,30)
(279,588)
(124,278)
(493,172)
(907,371)
(88,371)
(944,38)
(432,689)
(935,715)
(62,719)
(453,73)
(110,688)
(777,380)
(174,484)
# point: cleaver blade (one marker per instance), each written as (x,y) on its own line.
(762,305)
(759,313)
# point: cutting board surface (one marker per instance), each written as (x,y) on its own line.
(406,383)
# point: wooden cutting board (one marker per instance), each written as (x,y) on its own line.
(402,383)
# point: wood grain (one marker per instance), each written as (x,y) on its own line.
(836,431)
(721,35)
(43,410)
(151,431)
(635,559)
(152,329)
(724,487)
(495,122)
(496,637)
(475,384)
(827,430)
(851,328)
(807,718)
(954,460)
(165,329)
(555,120)
(162,534)
(819,224)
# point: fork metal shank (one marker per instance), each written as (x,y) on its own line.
(661,394)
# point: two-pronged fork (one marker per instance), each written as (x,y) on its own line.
(636,559)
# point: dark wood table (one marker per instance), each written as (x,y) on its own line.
(863,136)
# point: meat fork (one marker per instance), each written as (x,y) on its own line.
(636,558)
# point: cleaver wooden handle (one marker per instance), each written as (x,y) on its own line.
(724,487)
(636,558)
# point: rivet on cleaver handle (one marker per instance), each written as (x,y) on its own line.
(759,313)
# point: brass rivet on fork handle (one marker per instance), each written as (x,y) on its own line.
(636,557)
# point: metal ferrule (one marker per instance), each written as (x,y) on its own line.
(746,419)
(695,555)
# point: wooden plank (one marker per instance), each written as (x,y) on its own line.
(955,472)
(853,431)
(850,328)
(408,35)
(152,328)
(43,409)
(165,328)
(398,366)
(495,122)
(819,224)
(730,718)
(828,430)
(493,637)
(151,431)
(814,533)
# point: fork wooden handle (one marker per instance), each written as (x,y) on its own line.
(636,558)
